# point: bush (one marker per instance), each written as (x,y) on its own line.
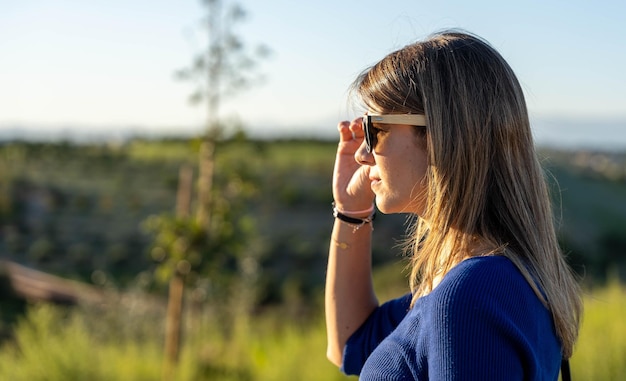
(125,342)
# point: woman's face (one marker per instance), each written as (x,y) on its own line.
(398,165)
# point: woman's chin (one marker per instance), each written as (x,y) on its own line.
(384,207)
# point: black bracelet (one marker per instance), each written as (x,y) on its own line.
(351,220)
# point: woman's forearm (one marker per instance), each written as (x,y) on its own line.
(349,294)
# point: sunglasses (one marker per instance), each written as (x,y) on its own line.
(370,134)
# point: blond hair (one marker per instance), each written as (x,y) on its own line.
(485,185)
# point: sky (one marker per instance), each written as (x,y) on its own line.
(102,66)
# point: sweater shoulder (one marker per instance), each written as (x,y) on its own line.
(483,272)
(485,280)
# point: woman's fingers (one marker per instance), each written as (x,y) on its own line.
(344,131)
(356,126)
(351,130)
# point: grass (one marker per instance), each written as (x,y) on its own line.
(102,192)
(600,353)
(53,343)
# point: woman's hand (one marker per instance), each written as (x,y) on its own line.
(351,183)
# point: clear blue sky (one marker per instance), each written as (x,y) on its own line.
(109,64)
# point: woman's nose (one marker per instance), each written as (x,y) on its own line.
(362,156)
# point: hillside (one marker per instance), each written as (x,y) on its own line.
(78,211)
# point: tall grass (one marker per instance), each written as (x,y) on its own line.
(53,343)
(56,344)
(600,353)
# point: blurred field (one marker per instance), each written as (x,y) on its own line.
(55,344)
(601,350)
(77,211)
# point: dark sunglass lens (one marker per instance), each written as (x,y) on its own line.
(368,133)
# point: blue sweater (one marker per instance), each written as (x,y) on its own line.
(483,322)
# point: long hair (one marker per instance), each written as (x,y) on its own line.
(485,185)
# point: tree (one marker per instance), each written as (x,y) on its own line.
(211,238)
(225,67)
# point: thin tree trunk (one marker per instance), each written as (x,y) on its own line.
(173,323)
(205,182)
(173,327)
(183,195)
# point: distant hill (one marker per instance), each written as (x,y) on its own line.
(76,210)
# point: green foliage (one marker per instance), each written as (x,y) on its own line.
(600,353)
(12,308)
(219,256)
(54,344)
(74,210)
(122,343)
(178,245)
(83,211)
(589,192)
(58,344)
(77,210)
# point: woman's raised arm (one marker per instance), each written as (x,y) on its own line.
(349,294)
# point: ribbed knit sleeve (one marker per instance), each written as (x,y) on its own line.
(377,326)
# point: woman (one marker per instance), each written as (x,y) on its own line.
(446,137)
